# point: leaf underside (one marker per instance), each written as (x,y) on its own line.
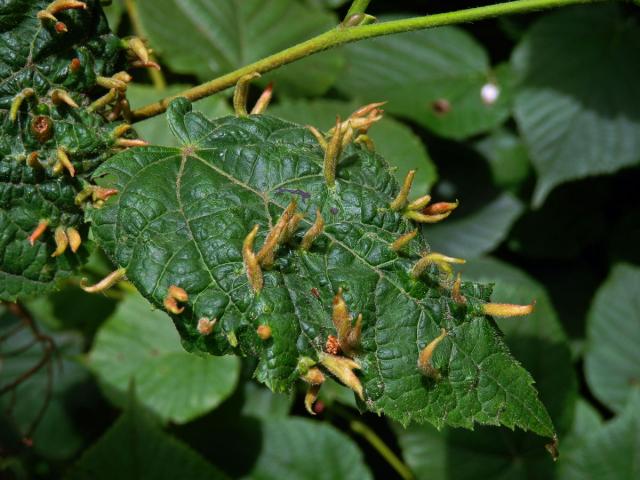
(181,217)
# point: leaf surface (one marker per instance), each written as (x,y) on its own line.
(181,218)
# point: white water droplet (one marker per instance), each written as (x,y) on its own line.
(489,93)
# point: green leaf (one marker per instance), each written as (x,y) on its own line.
(537,340)
(155,130)
(576,105)
(300,448)
(259,402)
(612,359)
(507,158)
(139,344)
(135,448)
(418,72)
(394,141)
(57,435)
(33,191)
(478,232)
(114,13)
(586,420)
(610,452)
(209,38)
(182,216)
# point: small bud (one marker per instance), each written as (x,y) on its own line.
(266,254)
(424,360)
(333,345)
(507,309)
(107,282)
(419,203)
(97,194)
(251,264)
(62,242)
(441,106)
(103,101)
(310,398)
(332,155)
(61,5)
(111,82)
(17,102)
(313,233)
(292,226)
(42,128)
(440,208)
(60,27)
(353,20)
(403,240)
(304,364)
(442,261)
(456,294)
(319,137)
(232,339)
(264,100)
(39,230)
(63,159)
(205,325)
(264,332)
(75,240)
(242,92)
(552,448)
(342,368)
(120,130)
(75,65)
(175,294)
(130,142)
(401,199)
(315,378)
(340,315)
(32,160)
(138,49)
(315,292)
(59,97)
(366,141)
(422,218)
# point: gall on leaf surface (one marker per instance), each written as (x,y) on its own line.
(181,219)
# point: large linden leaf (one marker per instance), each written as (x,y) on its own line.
(212,37)
(612,358)
(577,105)
(181,218)
(137,344)
(434,77)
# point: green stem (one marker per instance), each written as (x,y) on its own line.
(341,35)
(358,6)
(376,442)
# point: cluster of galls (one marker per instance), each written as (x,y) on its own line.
(339,356)
(98,119)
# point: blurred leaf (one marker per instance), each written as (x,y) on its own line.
(537,340)
(57,436)
(393,140)
(612,357)
(586,420)
(305,449)
(212,37)
(140,344)
(577,107)
(156,130)
(477,233)
(625,238)
(332,391)
(434,77)
(114,13)
(135,448)
(262,403)
(327,3)
(507,157)
(610,452)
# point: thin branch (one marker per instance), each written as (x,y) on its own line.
(358,6)
(342,35)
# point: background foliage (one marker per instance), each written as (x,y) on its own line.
(546,175)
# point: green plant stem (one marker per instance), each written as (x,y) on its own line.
(376,442)
(157,78)
(342,35)
(358,6)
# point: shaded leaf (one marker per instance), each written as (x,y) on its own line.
(612,357)
(472,235)
(135,448)
(507,158)
(433,77)
(576,107)
(139,344)
(212,37)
